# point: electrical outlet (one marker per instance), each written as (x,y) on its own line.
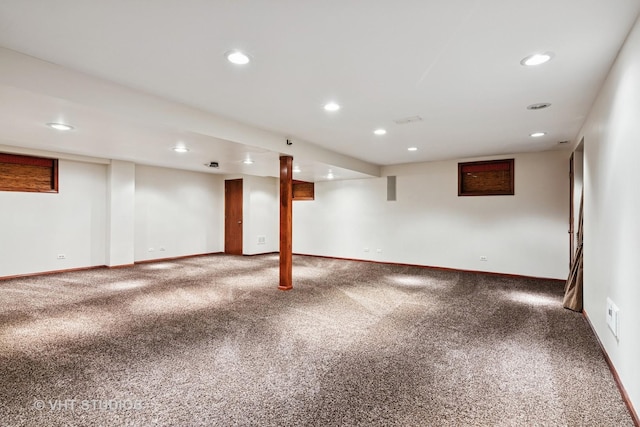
(379,250)
(366,249)
(262,240)
(162,249)
(613,318)
(62,256)
(483,258)
(151,249)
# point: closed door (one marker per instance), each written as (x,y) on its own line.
(233,216)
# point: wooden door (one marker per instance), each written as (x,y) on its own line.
(233,216)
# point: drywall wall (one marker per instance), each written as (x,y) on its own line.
(177,213)
(429,224)
(37,227)
(612,212)
(261,210)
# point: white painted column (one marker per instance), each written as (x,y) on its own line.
(121,177)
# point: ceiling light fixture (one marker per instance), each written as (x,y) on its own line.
(296,169)
(248,162)
(380,131)
(237,57)
(331,106)
(60,126)
(180,149)
(412,149)
(537,59)
(537,134)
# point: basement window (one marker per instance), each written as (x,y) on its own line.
(303,190)
(28,174)
(487,178)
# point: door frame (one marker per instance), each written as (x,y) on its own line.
(572,169)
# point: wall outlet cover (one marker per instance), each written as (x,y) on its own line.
(613,320)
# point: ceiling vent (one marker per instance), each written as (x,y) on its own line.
(538,106)
(408,120)
(212,164)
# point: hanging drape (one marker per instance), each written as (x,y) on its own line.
(573,287)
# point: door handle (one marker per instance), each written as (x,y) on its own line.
(239,222)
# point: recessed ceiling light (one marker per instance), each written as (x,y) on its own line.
(237,57)
(248,162)
(537,134)
(180,149)
(539,106)
(296,169)
(380,131)
(331,106)
(537,59)
(412,149)
(60,126)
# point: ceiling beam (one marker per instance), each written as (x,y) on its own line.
(38,76)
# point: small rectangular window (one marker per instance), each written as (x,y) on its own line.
(487,178)
(303,190)
(28,174)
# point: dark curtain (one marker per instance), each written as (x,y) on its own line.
(573,287)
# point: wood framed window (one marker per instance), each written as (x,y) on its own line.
(303,190)
(28,174)
(487,178)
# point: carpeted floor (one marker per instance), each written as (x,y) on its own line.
(211,341)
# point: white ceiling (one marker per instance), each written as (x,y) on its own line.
(455,63)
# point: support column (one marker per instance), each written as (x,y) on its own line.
(286,224)
(121,218)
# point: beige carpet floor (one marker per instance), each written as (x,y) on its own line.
(210,341)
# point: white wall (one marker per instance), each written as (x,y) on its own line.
(181,212)
(429,224)
(261,215)
(612,212)
(36,228)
